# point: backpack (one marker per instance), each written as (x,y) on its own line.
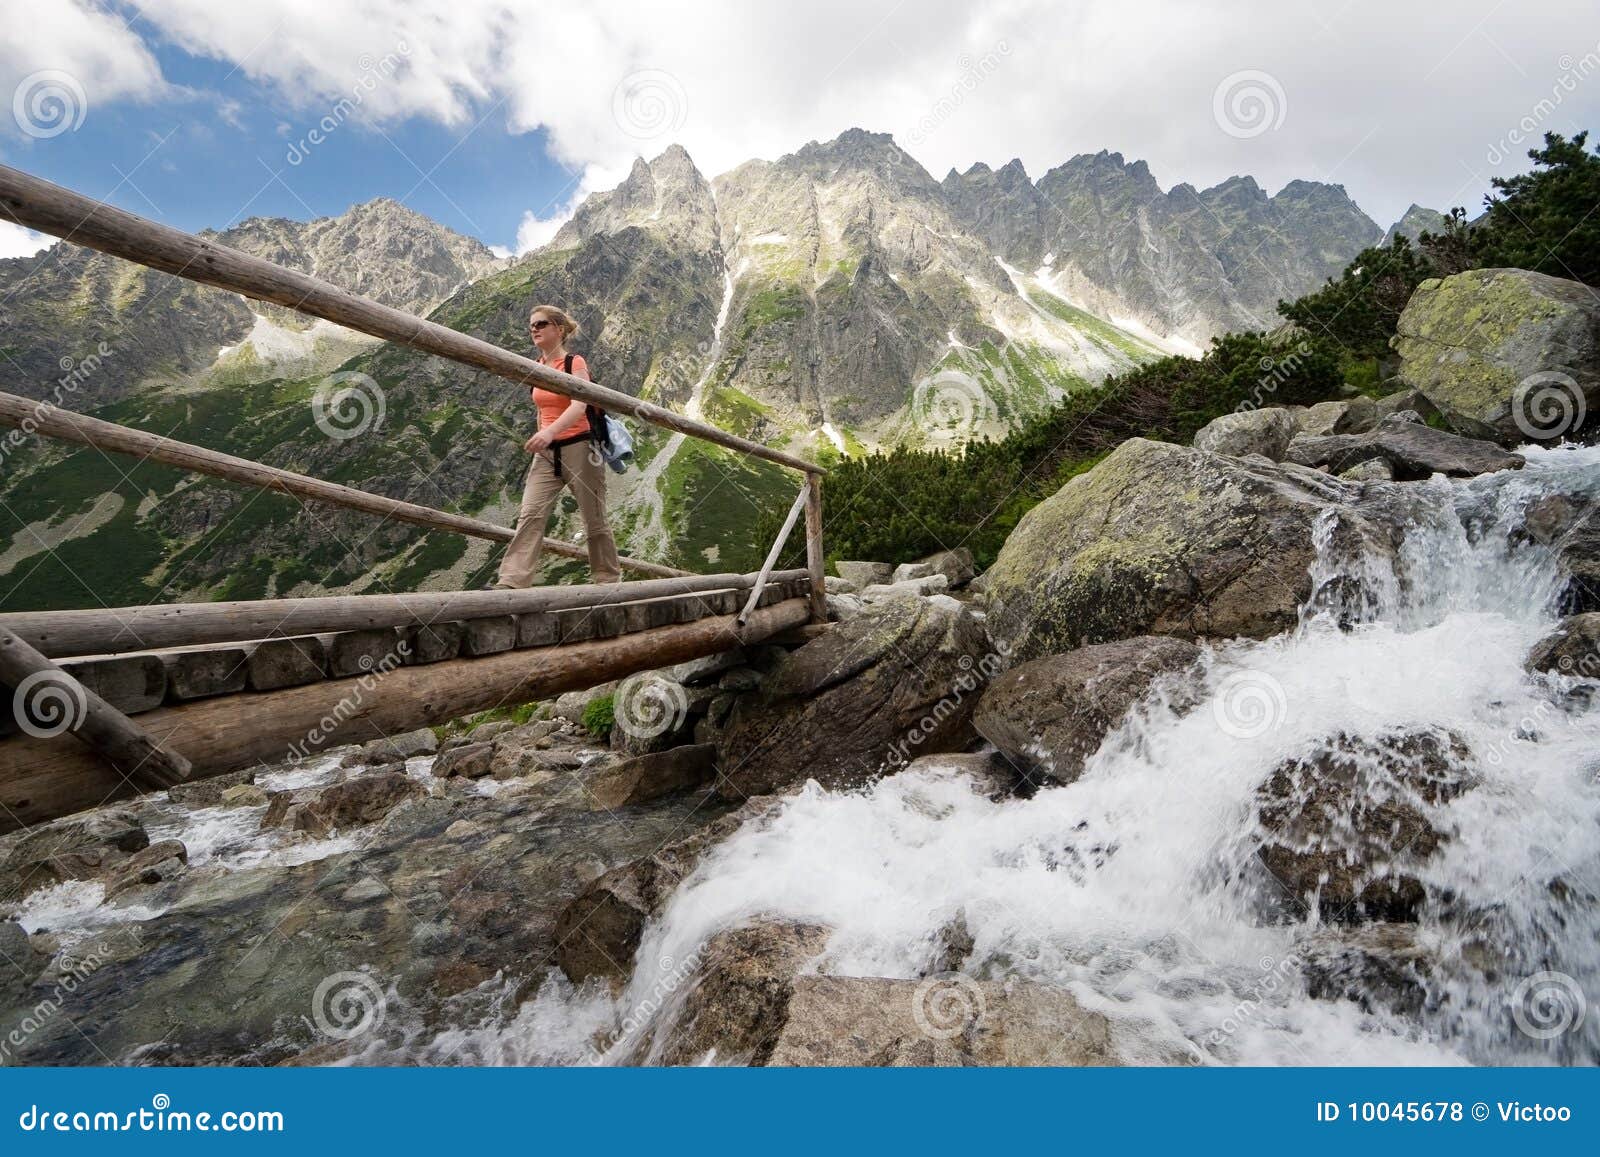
(610,437)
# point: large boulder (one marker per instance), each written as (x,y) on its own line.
(1411,450)
(1505,354)
(1266,431)
(897,681)
(1169,540)
(1573,648)
(1049,715)
(1567,526)
(1346,825)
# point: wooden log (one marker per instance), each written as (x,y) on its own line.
(352,653)
(130,683)
(489,636)
(276,663)
(105,736)
(41,780)
(814,556)
(44,418)
(206,671)
(39,204)
(433,642)
(149,628)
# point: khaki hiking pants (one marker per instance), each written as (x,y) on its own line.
(585,472)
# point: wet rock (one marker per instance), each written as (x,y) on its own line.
(1169,540)
(20,962)
(1573,648)
(894,683)
(1049,715)
(392,748)
(1412,451)
(80,847)
(517,763)
(1505,354)
(995,776)
(349,804)
(947,1020)
(162,861)
(208,792)
(598,933)
(1568,525)
(863,574)
(1379,966)
(737,1002)
(472,761)
(738,680)
(1265,431)
(1346,825)
(243,795)
(1350,416)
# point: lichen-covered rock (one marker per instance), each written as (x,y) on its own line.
(1345,416)
(1346,825)
(1473,344)
(956,564)
(1266,431)
(893,683)
(1049,715)
(863,574)
(1169,540)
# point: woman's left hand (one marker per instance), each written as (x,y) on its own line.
(537,444)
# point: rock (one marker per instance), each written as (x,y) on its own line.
(1506,354)
(1379,966)
(471,761)
(1413,451)
(352,803)
(1265,431)
(838,586)
(243,795)
(79,847)
(910,571)
(651,713)
(1344,417)
(1372,470)
(956,564)
(161,861)
(1344,825)
(927,585)
(1402,400)
(698,672)
(1573,648)
(843,608)
(735,1006)
(208,792)
(520,762)
(738,680)
(20,963)
(989,771)
(398,747)
(1169,540)
(598,933)
(1049,715)
(1567,525)
(894,683)
(643,777)
(948,1020)
(571,706)
(863,574)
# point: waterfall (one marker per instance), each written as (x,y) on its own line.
(1139,887)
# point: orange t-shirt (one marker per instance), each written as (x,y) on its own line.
(552,406)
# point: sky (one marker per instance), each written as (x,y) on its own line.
(496,117)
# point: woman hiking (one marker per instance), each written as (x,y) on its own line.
(562,456)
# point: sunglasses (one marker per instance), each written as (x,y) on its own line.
(536,326)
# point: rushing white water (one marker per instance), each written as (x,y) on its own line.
(1136,887)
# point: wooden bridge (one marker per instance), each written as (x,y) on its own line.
(108,702)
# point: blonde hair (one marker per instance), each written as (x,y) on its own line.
(561,317)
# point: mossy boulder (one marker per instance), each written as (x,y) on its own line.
(1168,540)
(1506,354)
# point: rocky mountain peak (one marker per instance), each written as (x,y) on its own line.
(667,196)
(1414,222)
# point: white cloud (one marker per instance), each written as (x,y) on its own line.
(15,241)
(1398,102)
(105,59)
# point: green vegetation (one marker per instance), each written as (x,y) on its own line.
(600,716)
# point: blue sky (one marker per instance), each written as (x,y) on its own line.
(500,113)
